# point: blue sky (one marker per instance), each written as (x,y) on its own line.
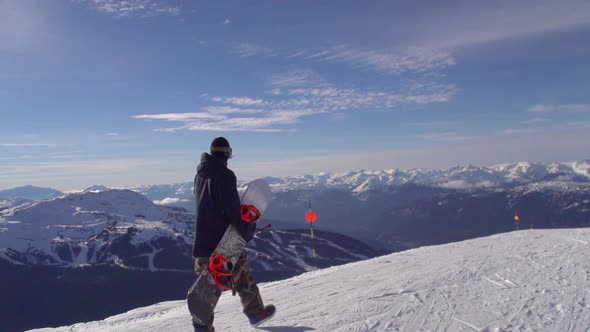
(131,92)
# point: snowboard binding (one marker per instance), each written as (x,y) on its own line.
(249,213)
(220,269)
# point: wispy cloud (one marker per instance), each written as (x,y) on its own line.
(227,21)
(21,157)
(134,8)
(537,121)
(250,49)
(239,101)
(335,99)
(231,110)
(444,137)
(24,145)
(290,107)
(438,124)
(542,108)
(298,78)
(179,116)
(585,124)
(265,121)
(77,167)
(519,131)
(386,61)
(382,60)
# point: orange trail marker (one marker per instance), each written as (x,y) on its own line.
(311,217)
(516,220)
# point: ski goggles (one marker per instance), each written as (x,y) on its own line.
(227,151)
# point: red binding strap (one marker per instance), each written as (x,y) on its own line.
(249,213)
(216,268)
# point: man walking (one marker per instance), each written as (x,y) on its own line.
(218,206)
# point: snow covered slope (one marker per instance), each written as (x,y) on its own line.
(534,280)
(7,203)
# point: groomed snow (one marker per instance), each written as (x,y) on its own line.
(533,280)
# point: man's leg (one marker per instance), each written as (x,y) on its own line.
(246,287)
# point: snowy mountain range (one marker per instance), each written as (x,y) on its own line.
(401,209)
(460,177)
(124,228)
(532,280)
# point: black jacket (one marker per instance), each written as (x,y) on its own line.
(218,205)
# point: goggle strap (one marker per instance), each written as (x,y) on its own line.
(220,149)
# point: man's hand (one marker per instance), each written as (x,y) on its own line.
(201,264)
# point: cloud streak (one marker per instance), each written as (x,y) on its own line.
(334,99)
(387,61)
(537,121)
(26,145)
(179,116)
(542,108)
(297,78)
(383,60)
(290,106)
(134,8)
(239,101)
(250,49)
(264,122)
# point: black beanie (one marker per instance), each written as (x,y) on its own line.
(220,147)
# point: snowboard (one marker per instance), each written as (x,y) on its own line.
(205,292)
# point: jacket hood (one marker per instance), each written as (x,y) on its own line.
(210,164)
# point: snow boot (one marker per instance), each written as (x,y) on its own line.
(263,315)
(200,327)
(204,328)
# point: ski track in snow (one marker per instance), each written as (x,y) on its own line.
(532,280)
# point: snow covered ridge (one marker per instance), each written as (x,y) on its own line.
(546,175)
(6,203)
(122,227)
(115,226)
(460,177)
(533,280)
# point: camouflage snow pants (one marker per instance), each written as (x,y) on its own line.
(243,283)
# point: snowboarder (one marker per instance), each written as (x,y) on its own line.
(218,206)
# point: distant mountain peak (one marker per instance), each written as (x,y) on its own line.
(96,188)
(31,192)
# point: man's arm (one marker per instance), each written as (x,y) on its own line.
(231,208)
